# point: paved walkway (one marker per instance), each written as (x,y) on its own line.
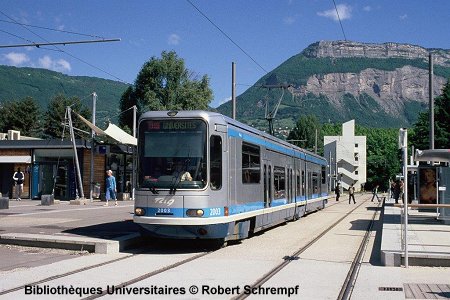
(428,238)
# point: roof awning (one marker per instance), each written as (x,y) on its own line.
(22,159)
(112,131)
(442,155)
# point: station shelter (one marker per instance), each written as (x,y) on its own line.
(49,167)
(429,181)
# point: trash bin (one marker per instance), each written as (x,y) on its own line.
(4,202)
(96,191)
(47,199)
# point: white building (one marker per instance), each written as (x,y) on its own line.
(347,157)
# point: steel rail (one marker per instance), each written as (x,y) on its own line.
(352,275)
(149,274)
(294,256)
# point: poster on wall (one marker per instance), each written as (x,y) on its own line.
(427,185)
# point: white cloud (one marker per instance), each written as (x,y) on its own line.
(59,65)
(174,39)
(16,59)
(367,8)
(45,62)
(403,17)
(64,64)
(344,10)
(289,20)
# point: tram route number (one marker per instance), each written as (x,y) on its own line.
(216,211)
(163,211)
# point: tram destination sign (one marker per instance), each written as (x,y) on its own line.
(174,125)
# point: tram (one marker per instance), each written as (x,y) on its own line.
(202,175)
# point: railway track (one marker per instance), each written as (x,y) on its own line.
(143,251)
(345,291)
(350,280)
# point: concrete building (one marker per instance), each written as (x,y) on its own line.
(347,157)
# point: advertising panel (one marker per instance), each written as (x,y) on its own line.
(427,185)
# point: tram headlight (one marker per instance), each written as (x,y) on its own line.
(195,212)
(139,211)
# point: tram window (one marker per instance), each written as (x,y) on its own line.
(279,182)
(315,182)
(251,166)
(323,175)
(298,185)
(215,162)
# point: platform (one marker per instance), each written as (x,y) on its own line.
(428,238)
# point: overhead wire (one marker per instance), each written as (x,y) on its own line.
(227,36)
(53,29)
(66,52)
(339,18)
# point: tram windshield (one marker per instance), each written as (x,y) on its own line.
(172,154)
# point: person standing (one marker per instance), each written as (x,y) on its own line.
(111,188)
(19,178)
(351,194)
(396,191)
(337,191)
(375,193)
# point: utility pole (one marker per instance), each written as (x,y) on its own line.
(315,144)
(91,179)
(133,174)
(77,164)
(431,100)
(403,144)
(233,89)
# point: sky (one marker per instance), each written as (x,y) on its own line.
(258,35)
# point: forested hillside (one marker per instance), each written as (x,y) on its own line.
(42,85)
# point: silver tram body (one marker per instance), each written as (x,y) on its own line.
(241,180)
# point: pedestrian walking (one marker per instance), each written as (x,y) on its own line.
(18,178)
(351,194)
(391,188)
(375,193)
(337,191)
(402,190)
(111,188)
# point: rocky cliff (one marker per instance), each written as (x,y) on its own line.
(339,49)
(390,89)
(380,85)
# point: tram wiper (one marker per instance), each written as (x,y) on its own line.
(179,175)
(174,186)
(151,187)
(153,190)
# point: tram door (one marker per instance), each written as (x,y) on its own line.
(290,184)
(267,180)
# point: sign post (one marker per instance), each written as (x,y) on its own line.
(403,144)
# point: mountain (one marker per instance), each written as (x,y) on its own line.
(378,85)
(43,85)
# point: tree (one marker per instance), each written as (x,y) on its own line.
(165,84)
(23,115)
(54,118)
(420,137)
(442,118)
(127,101)
(304,133)
(383,160)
